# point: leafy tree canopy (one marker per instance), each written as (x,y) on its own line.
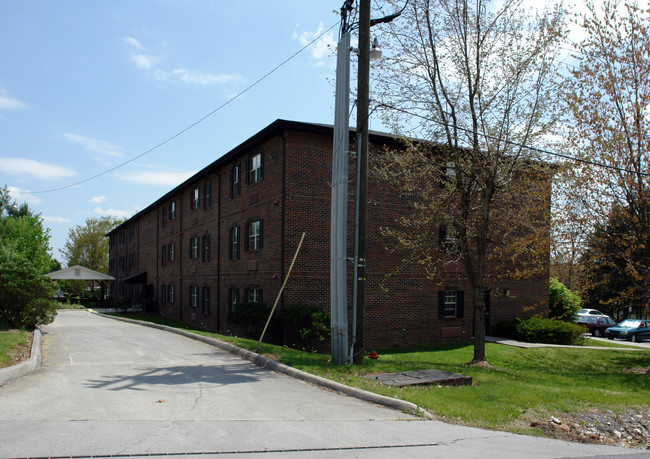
(87,244)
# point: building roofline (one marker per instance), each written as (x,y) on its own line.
(260,137)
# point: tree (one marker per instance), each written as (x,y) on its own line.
(564,304)
(608,103)
(610,282)
(478,77)
(87,245)
(25,293)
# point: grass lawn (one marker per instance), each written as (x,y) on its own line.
(524,382)
(13,343)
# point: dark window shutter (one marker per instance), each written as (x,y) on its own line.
(245,300)
(261,233)
(246,236)
(236,178)
(231,183)
(444,178)
(260,296)
(230,243)
(238,254)
(247,169)
(261,171)
(190,249)
(441,304)
(460,304)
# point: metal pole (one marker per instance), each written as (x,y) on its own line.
(268,321)
(363,91)
(338,252)
(355,274)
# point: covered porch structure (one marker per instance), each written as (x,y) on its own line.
(84,274)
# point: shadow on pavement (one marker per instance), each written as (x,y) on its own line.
(178,375)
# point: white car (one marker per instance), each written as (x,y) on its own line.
(589,312)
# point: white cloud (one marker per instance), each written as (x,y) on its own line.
(162,178)
(99,147)
(21,196)
(33,168)
(133,42)
(323,47)
(9,103)
(97,199)
(143,61)
(56,219)
(196,77)
(114,212)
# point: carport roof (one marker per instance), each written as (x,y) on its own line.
(78,273)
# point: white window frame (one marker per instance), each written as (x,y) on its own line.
(254,235)
(451,303)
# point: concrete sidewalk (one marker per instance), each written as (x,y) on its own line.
(511,342)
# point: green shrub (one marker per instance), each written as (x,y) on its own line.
(549,331)
(305,327)
(25,294)
(506,329)
(536,330)
(564,304)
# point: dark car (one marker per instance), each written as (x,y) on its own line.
(630,329)
(596,325)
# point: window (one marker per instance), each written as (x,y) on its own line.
(253,295)
(194,296)
(172,252)
(163,295)
(172,210)
(171,294)
(235,181)
(233,298)
(163,255)
(255,169)
(133,231)
(447,174)
(450,303)
(233,245)
(194,247)
(206,249)
(449,237)
(195,199)
(254,235)
(205,304)
(207,195)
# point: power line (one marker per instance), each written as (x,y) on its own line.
(183,131)
(517,144)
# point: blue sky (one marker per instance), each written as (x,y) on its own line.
(85,86)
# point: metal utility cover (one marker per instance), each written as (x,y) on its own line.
(422,377)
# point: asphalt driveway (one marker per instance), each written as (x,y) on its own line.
(113,388)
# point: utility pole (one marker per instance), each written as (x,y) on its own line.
(338,252)
(363,91)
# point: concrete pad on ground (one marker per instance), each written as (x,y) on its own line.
(422,377)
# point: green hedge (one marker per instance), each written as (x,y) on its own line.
(536,330)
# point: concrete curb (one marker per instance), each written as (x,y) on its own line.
(28,366)
(265,362)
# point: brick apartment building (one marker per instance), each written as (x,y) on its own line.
(228,235)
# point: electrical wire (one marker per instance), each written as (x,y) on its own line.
(194,124)
(517,144)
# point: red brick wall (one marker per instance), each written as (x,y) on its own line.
(294,197)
